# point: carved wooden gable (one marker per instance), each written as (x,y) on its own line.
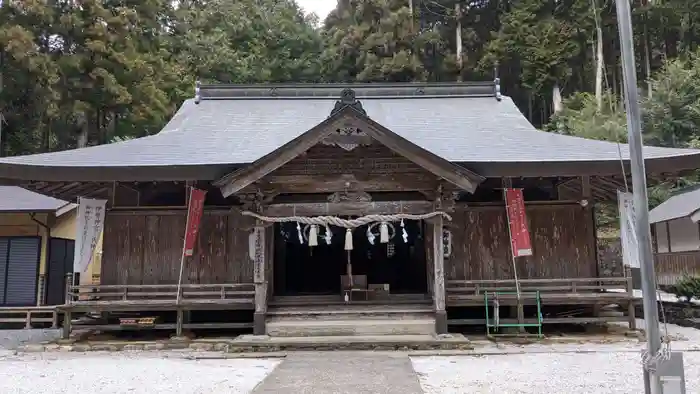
(330,167)
(348,144)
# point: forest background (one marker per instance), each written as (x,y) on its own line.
(76,73)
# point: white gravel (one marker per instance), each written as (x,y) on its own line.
(132,374)
(570,373)
(554,369)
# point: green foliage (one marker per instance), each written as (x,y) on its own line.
(373,40)
(581,117)
(687,288)
(671,117)
(246,42)
(672,113)
(81,75)
(542,44)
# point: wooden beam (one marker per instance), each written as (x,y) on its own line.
(586,188)
(349,208)
(331,183)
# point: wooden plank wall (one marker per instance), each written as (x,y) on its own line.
(561,241)
(671,267)
(145,248)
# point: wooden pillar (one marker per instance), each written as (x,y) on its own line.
(260,280)
(439,278)
(179,323)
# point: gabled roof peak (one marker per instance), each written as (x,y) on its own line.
(361,90)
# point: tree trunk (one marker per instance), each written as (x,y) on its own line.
(46,136)
(556,98)
(599,66)
(647,58)
(84,131)
(458,41)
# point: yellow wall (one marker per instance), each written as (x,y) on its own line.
(21,224)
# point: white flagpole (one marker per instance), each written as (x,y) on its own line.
(184,243)
(640,206)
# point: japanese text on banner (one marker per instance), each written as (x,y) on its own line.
(194,217)
(517,220)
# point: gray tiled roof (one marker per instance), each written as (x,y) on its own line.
(678,206)
(17,199)
(238,130)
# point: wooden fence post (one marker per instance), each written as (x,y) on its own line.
(67,312)
(630,293)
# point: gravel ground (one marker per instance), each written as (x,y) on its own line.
(599,373)
(513,369)
(553,369)
(129,373)
(11,339)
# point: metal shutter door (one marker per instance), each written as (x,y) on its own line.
(4,242)
(22,269)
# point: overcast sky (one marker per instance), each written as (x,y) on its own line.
(321,7)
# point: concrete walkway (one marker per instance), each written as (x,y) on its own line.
(343,373)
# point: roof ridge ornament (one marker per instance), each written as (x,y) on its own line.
(348,98)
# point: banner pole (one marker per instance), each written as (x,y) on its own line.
(512,249)
(184,244)
(519,306)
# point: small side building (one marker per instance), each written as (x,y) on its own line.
(675,227)
(37,238)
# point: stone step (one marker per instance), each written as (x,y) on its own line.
(308,328)
(351,312)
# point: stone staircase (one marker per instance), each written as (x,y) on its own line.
(415,318)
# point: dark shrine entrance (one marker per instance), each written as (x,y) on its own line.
(304,270)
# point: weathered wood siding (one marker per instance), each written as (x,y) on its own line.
(145,248)
(671,267)
(329,159)
(561,240)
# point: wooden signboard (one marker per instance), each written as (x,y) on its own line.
(259,255)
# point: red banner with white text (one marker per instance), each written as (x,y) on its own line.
(194,217)
(517,220)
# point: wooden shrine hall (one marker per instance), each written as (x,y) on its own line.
(332,198)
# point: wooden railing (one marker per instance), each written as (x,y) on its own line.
(589,293)
(29,316)
(671,267)
(569,285)
(85,294)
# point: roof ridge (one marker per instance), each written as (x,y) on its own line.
(334,90)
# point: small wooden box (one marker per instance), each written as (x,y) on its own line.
(379,291)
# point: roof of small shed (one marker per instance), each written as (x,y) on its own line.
(17,199)
(227,126)
(684,203)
